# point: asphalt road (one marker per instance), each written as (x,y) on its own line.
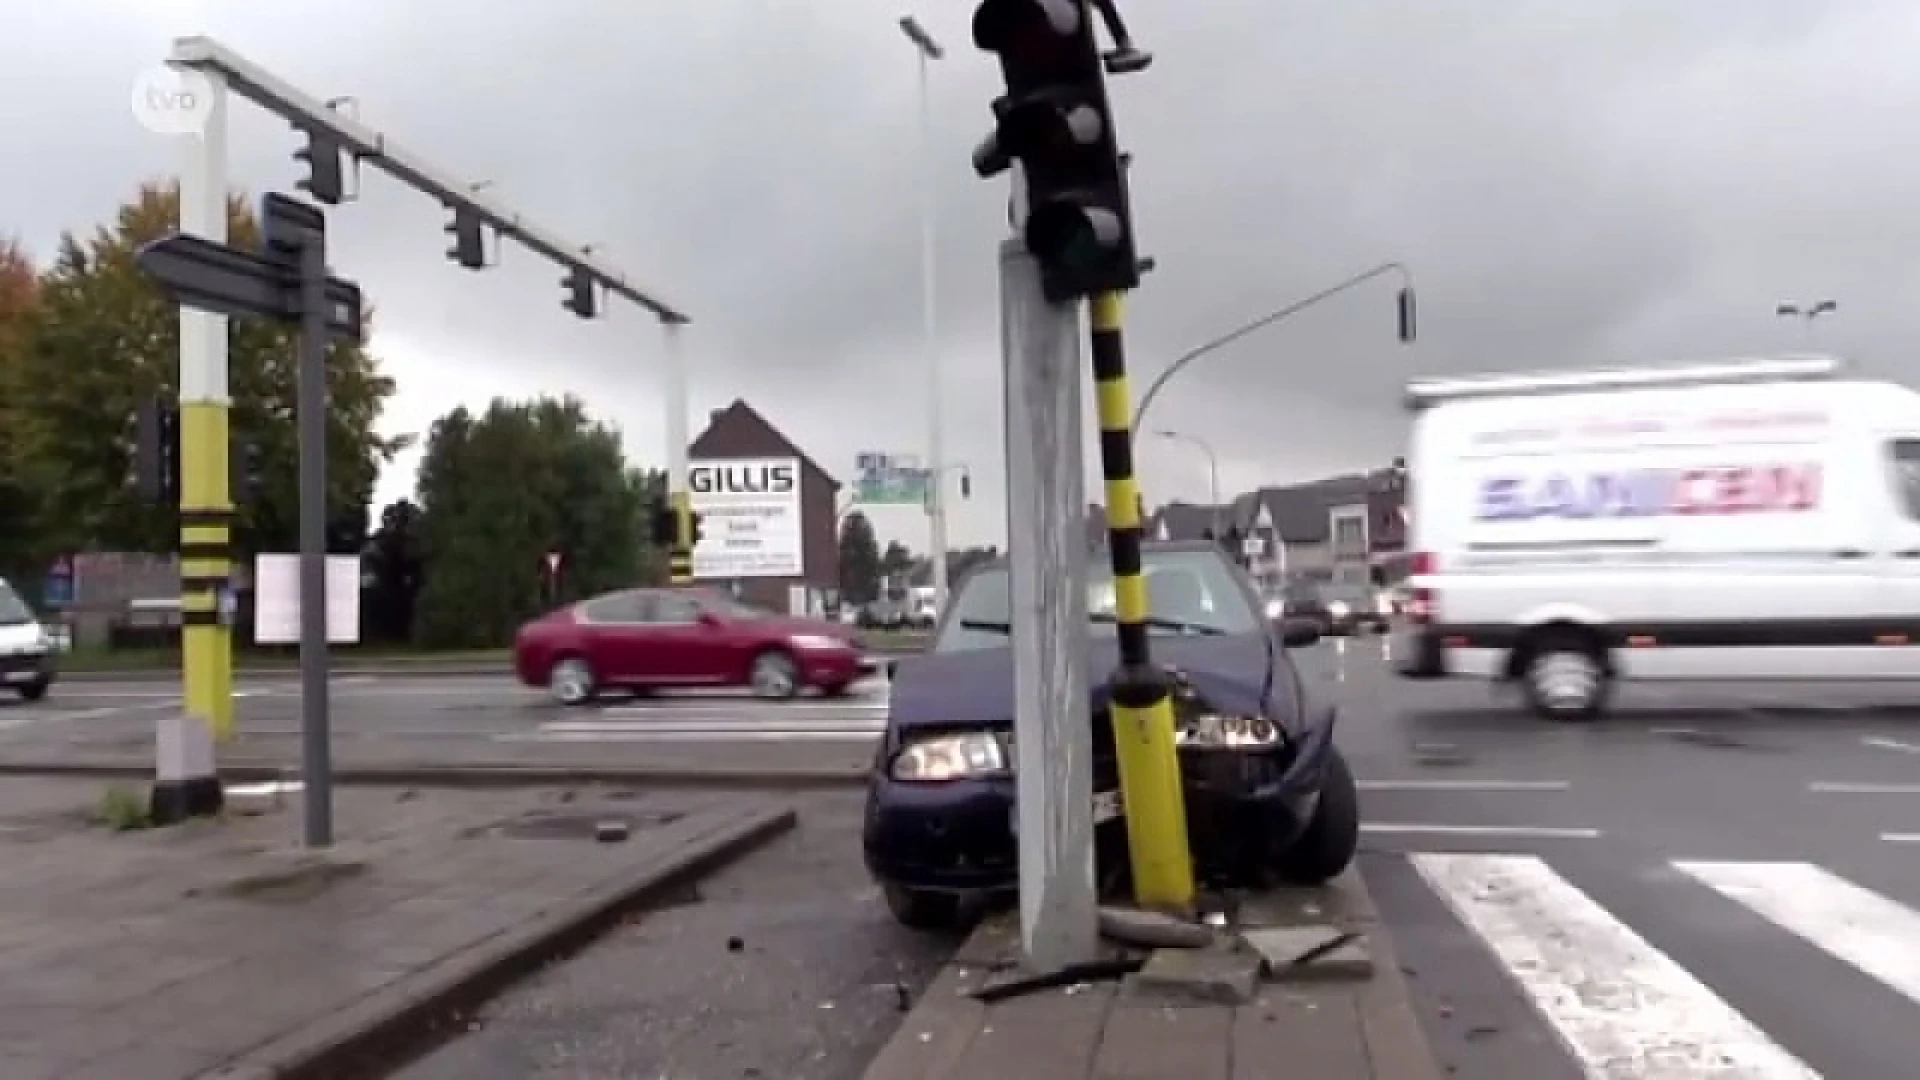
(1582,900)
(784,967)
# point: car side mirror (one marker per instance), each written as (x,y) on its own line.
(1297,633)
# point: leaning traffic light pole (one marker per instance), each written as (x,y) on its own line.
(1055,123)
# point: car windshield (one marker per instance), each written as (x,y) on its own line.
(13,610)
(1189,591)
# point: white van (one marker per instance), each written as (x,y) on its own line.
(1743,520)
(26,652)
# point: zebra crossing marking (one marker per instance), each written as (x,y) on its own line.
(1624,1009)
(1855,925)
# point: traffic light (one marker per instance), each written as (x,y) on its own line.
(469,245)
(324,180)
(663,527)
(696,531)
(1055,120)
(580,299)
(246,466)
(156,450)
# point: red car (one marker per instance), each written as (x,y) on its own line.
(643,639)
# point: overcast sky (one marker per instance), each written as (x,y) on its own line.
(1571,182)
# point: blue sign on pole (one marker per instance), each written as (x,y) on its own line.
(58,589)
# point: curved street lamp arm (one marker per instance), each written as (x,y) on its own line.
(1160,380)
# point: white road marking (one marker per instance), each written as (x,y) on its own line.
(1625,1009)
(1855,925)
(1880,743)
(1535,832)
(1836,787)
(765,735)
(1463,785)
(1901,837)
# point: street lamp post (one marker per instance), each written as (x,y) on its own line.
(929,51)
(1407,329)
(1807,313)
(1213,470)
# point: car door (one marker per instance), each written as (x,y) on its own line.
(614,632)
(686,648)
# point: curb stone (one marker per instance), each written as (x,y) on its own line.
(478,775)
(345,1042)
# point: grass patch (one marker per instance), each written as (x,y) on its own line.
(280,659)
(122,809)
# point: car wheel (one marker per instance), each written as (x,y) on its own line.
(774,675)
(916,909)
(572,682)
(34,691)
(1566,681)
(1332,836)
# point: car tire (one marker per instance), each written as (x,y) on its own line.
(1566,680)
(773,674)
(1326,847)
(572,682)
(917,909)
(35,690)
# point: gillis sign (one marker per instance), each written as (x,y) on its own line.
(750,524)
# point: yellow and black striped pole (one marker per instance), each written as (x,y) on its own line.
(206,565)
(680,555)
(1142,694)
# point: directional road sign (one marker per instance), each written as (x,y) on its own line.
(201,274)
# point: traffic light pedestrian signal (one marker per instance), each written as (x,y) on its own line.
(695,534)
(156,450)
(663,528)
(1056,122)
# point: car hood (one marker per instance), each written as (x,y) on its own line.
(959,689)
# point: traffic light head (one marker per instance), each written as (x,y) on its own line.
(663,529)
(325,180)
(469,246)
(580,298)
(696,533)
(1056,121)
(156,449)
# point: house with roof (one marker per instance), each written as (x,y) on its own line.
(740,433)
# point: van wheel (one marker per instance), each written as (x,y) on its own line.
(1566,680)
(34,690)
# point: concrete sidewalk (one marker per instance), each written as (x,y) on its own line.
(1188,1015)
(217,948)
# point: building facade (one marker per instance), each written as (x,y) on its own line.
(739,433)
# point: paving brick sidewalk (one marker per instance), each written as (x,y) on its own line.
(1314,1028)
(173,953)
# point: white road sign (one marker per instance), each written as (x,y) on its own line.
(750,517)
(276,599)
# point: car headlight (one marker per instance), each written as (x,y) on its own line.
(1337,609)
(1213,731)
(950,757)
(816,643)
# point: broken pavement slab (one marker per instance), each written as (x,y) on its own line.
(1211,976)
(1307,953)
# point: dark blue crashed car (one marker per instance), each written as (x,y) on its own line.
(1268,795)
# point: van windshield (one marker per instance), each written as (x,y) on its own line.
(13,610)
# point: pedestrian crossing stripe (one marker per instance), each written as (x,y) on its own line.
(678,726)
(1624,1009)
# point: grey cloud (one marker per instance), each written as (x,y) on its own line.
(1572,183)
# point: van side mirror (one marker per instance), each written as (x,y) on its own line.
(1297,633)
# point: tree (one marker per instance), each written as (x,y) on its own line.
(500,491)
(396,562)
(859,559)
(19,509)
(896,565)
(105,338)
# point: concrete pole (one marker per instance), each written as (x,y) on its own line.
(936,436)
(186,783)
(680,557)
(1053,732)
(311,417)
